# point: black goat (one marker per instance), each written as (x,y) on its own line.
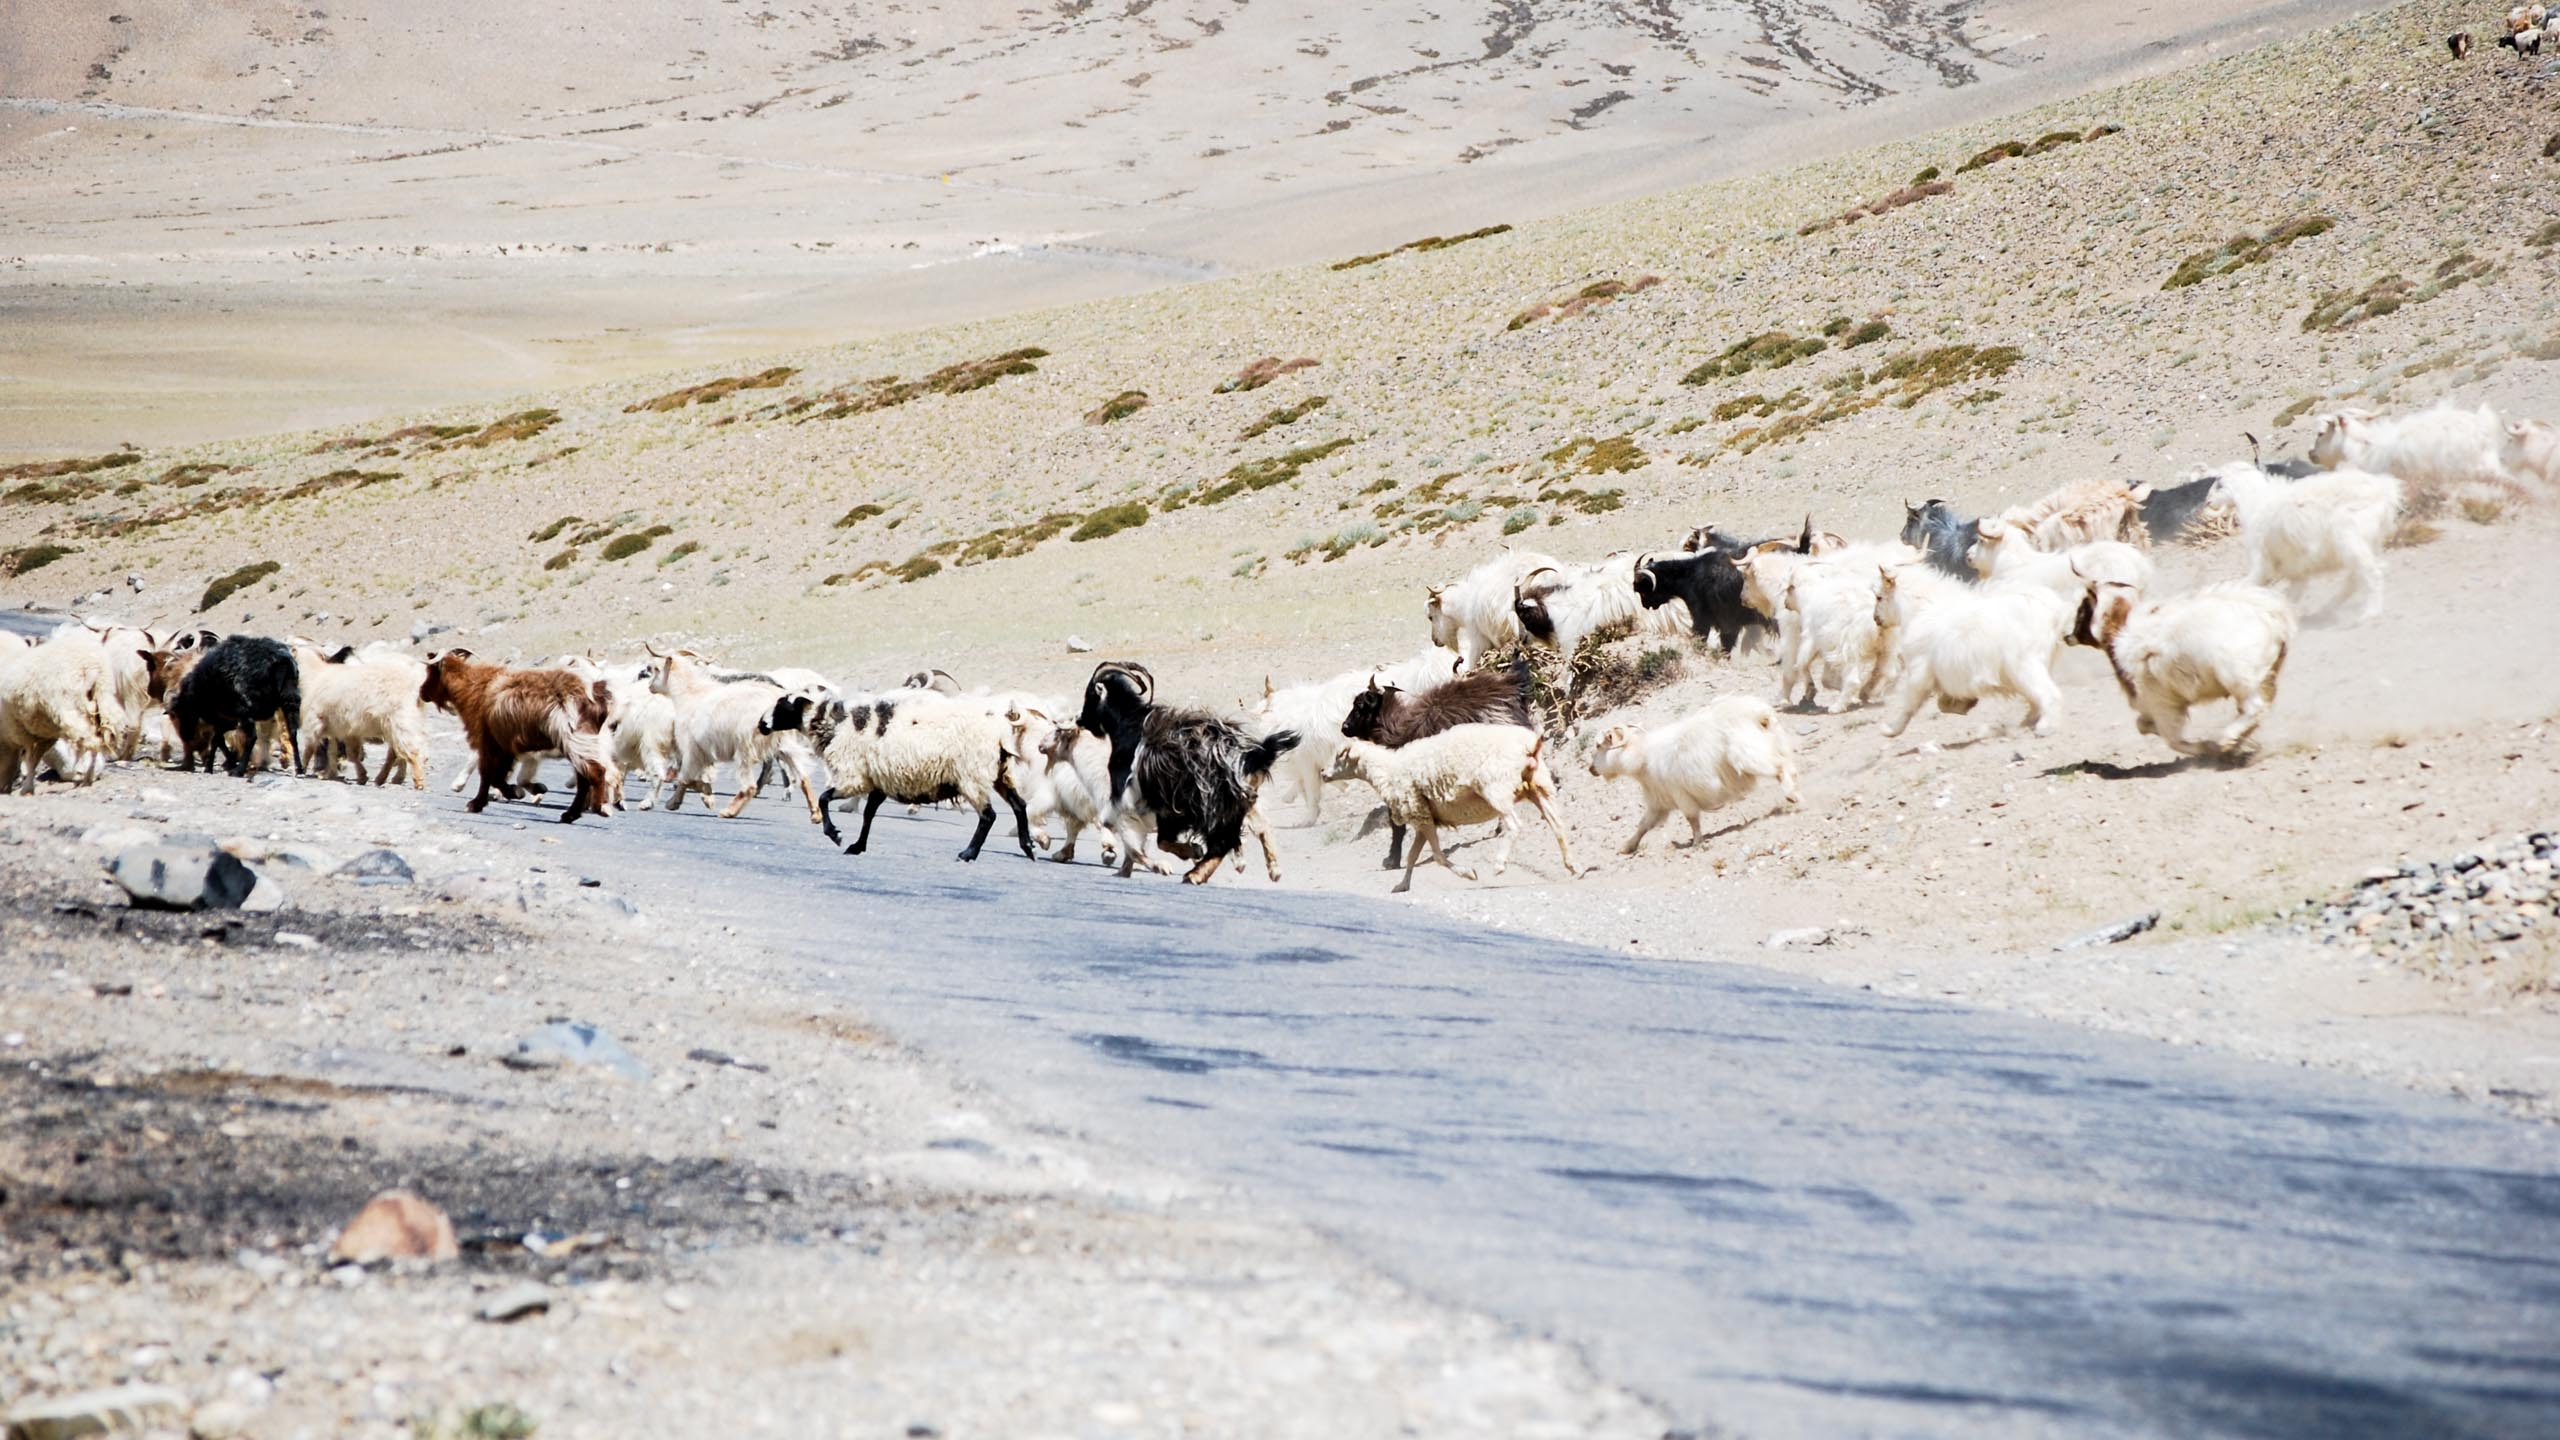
(2166,513)
(1710,584)
(1941,536)
(1385,715)
(1192,772)
(237,685)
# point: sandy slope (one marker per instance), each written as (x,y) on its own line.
(224,221)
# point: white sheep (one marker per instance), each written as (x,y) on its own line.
(1473,614)
(1699,762)
(2530,449)
(719,723)
(2439,449)
(912,746)
(2332,522)
(1318,708)
(2007,551)
(60,692)
(2223,642)
(1462,776)
(1962,645)
(644,733)
(352,698)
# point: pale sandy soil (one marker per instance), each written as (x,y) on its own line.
(226,221)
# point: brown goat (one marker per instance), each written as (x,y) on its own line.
(1385,715)
(168,669)
(508,713)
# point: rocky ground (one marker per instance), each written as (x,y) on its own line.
(789,1216)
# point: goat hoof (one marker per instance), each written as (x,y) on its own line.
(968,855)
(476,806)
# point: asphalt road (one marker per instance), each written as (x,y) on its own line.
(1776,1208)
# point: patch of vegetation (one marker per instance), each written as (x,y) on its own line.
(1927,174)
(1271,470)
(1581,302)
(1110,520)
(2546,237)
(1903,381)
(2345,309)
(714,390)
(522,425)
(914,568)
(1769,350)
(552,530)
(623,547)
(1519,520)
(27,559)
(2020,149)
(47,482)
(2244,250)
(858,514)
(1006,541)
(50,469)
(563,560)
(393,439)
(958,378)
(498,1421)
(1285,415)
(239,497)
(2301,406)
(1351,538)
(1260,373)
(1425,244)
(1853,333)
(1118,407)
(1762,406)
(235,582)
(1587,456)
(184,477)
(1886,204)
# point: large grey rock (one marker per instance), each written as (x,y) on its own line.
(378,867)
(182,877)
(124,1410)
(574,1042)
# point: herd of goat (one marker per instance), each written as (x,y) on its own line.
(1954,611)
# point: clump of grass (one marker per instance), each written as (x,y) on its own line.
(2301,406)
(714,390)
(498,1421)
(235,582)
(50,469)
(623,547)
(1769,350)
(957,378)
(27,559)
(1307,545)
(1886,204)
(1425,244)
(2483,507)
(1762,406)
(2546,237)
(1285,415)
(563,560)
(2005,150)
(2245,250)
(1260,373)
(596,532)
(914,568)
(184,477)
(1581,302)
(1110,520)
(2345,309)
(1903,381)
(1585,455)
(1007,541)
(1118,407)
(1587,502)
(858,514)
(1519,520)
(1272,470)
(522,425)
(1927,174)
(679,552)
(1351,538)
(2412,532)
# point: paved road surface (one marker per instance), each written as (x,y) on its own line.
(1779,1209)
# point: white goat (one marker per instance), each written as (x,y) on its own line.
(1473,613)
(1066,773)
(2333,522)
(2438,449)
(1317,709)
(1963,645)
(1461,776)
(644,733)
(2080,512)
(2223,642)
(2531,450)
(1700,762)
(1825,607)
(912,746)
(2006,551)
(60,692)
(719,722)
(1563,605)
(352,698)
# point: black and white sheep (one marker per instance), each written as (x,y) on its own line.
(914,747)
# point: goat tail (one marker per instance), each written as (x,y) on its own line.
(1264,753)
(577,730)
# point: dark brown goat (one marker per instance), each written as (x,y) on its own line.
(509,713)
(1385,715)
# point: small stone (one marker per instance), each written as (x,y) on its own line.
(182,877)
(1078,645)
(2111,934)
(221,1420)
(678,1301)
(295,939)
(516,1302)
(1808,936)
(266,897)
(124,1409)
(572,1042)
(396,1225)
(378,867)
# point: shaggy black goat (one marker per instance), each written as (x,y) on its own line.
(2168,512)
(1710,584)
(1385,715)
(1194,773)
(1941,536)
(237,685)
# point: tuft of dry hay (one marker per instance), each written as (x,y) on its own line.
(2210,528)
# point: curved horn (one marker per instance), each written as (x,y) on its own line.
(2253,450)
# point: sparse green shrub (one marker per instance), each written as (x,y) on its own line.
(2244,250)
(915,567)
(1770,350)
(858,514)
(1272,470)
(552,531)
(678,553)
(623,547)
(865,397)
(1584,300)
(1351,538)
(1285,415)
(235,582)
(1260,373)
(522,425)
(2546,237)
(1867,333)
(1519,520)
(1118,407)
(1426,243)
(1110,520)
(27,559)
(563,560)
(1615,455)
(1927,174)
(2343,309)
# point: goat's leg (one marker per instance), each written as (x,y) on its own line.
(1021,817)
(493,774)
(1423,835)
(1789,778)
(1504,823)
(1262,832)
(1697,825)
(589,793)
(826,816)
(1199,874)
(2044,700)
(1065,854)
(870,806)
(1907,698)
(2368,573)
(978,837)
(1654,814)
(1547,812)
(747,787)
(1395,845)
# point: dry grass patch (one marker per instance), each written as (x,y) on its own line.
(867,396)
(1769,350)
(235,582)
(27,559)
(1118,407)
(859,513)
(1285,415)
(1424,245)
(237,498)
(2346,309)
(48,482)
(1260,373)
(1271,470)
(1587,456)
(1903,382)
(2022,149)
(1886,204)
(2244,250)
(714,390)
(1583,301)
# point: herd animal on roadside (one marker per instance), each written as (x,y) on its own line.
(1954,611)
